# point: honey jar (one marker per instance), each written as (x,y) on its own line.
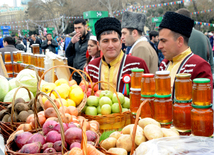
(19,55)
(202,120)
(162,83)
(9,67)
(29,55)
(7,56)
(35,48)
(37,59)
(163,110)
(15,67)
(182,115)
(136,77)
(15,56)
(148,108)
(183,86)
(19,66)
(42,61)
(22,66)
(148,84)
(24,57)
(10,75)
(135,96)
(33,59)
(201,92)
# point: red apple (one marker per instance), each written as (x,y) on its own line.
(83,83)
(98,93)
(89,92)
(83,87)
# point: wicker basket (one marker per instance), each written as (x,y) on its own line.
(11,146)
(86,74)
(112,121)
(82,104)
(7,128)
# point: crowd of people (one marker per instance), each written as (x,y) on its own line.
(119,47)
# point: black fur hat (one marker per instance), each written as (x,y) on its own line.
(177,23)
(133,20)
(107,23)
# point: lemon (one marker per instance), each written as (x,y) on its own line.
(64,102)
(44,97)
(76,95)
(74,86)
(71,103)
(46,88)
(63,90)
(60,82)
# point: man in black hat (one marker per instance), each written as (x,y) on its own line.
(132,29)
(114,66)
(174,33)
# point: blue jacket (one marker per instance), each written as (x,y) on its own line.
(67,41)
(1,43)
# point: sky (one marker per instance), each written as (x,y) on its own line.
(9,2)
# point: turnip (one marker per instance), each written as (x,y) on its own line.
(53,136)
(71,125)
(91,136)
(58,146)
(49,150)
(48,126)
(75,144)
(22,138)
(47,145)
(31,148)
(37,137)
(57,127)
(73,135)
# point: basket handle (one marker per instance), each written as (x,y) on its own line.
(62,66)
(13,101)
(58,115)
(92,92)
(135,125)
(81,72)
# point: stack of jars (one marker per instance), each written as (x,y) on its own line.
(202,112)
(163,101)
(147,93)
(182,103)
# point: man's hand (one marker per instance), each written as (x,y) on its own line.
(76,38)
(49,42)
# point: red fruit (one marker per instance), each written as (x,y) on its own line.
(71,125)
(98,93)
(73,135)
(22,138)
(58,146)
(49,150)
(53,136)
(82,87)
(88,93)
(37,137)
(57,127)
(48,126)
(95,87)
(75,144)
(91,136)
(31,148)
(47,145)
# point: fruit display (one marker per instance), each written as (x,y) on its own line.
(106,103)
(147,129)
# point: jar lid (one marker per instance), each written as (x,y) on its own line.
(15,52)
(148,75)
(184,101)
(135,89)
(8,62)
(147,95)
(162,72)
(182,75)
(30,53)
(201,80)
(202,107)
(19,61)
(7,52)
(137,70)
(162,96)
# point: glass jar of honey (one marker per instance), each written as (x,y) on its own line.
(42,61)
(19,55)
(183,86)
(33,59)
(24,57)
(15,67)
(37,60)
(136,77)
(15,56)
(201,92)
(135,96)
(148,84)
(42,72)
(22,66)
(182,115)
(162,83)
(9,67)
(202,120)
(19,66)
(7,56)
(148,108)
(35,48)
(163,110)
(29,58)
(10,75)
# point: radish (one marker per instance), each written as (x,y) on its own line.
(22,138)
(48,126)
(37,137)
(73,135)
(53,136)
(47,145)
(75,144)
(57,127)
(31,148)
(91,136)
(58,146)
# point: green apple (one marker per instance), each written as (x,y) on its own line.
(124,109)
(120,96)
(83,110)
(99,115)
(107,93)
(126,104)
(105,100)
(98,110)
(93,101)
(115,108)
(106,109)
(91,111)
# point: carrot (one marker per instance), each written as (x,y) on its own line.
(91,150)
(76,151)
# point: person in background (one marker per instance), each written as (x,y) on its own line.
(93,50)
(174,33)
(132,30)
(9,46)
(20,46)
(210,34)
(49,44)
(114,65)
(198,42)
(67,41)
(34,41)
(76,50)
